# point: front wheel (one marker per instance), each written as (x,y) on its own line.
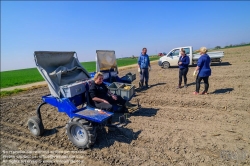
(165,65)
(81,133)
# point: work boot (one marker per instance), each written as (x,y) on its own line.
(129,105)
(140,84)
(178,87)
(110,126)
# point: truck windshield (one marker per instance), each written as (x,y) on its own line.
(187,50)
(175,53)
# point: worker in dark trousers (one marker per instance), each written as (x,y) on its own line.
(183,68)
(204,71)
(144,68)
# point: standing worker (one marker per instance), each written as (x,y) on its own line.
(183,68)
(203,66)
(144,68)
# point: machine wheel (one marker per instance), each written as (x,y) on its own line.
(35,126)
(81,133)
(165,65)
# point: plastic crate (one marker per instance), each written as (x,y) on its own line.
(71,90)
(131,76)
(126,79)
(127,94)
(114,87)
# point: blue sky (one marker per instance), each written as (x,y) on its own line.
(126,27)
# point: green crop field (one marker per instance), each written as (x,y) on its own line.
(26,76)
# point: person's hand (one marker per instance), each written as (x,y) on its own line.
(105,101)
(149,68)
(139,70)
(180,63)
(114,97)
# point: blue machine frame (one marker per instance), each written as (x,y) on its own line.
(68,106)
(48,61)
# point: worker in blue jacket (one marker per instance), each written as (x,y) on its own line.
(203,66)
(183,68)
(144,68)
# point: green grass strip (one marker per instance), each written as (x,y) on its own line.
(8,93)
(31,75)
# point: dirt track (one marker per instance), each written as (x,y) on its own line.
(174,127)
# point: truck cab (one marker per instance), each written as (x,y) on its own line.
(172,58)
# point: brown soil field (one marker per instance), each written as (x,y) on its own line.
(173,127)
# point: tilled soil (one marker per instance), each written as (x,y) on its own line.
(173,127)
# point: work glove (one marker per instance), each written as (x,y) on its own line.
(149,68)
(139,70)
(195,72)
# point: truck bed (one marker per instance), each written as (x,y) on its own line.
(212,55)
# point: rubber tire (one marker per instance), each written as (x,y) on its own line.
(88,128)
(35,122)
(165,65)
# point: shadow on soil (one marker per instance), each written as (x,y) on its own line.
(107,138)
(151,86)
(48,132)
(219,91)
(193,83)
(122,134)
(148,112)
(162,83)
(221,64)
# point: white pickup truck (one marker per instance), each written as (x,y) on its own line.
(171,59)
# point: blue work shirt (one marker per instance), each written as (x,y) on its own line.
(185,62)
(204,65)
(143,61)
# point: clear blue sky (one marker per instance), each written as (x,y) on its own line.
(125,27)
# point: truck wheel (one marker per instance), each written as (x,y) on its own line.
(81,133)
(35,126)
(165,65)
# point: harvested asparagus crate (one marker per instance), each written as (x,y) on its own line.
(127,91)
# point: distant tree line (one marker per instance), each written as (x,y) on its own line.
(233,45)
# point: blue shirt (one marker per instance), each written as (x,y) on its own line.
(143,61)
(204,64)
(185,62)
